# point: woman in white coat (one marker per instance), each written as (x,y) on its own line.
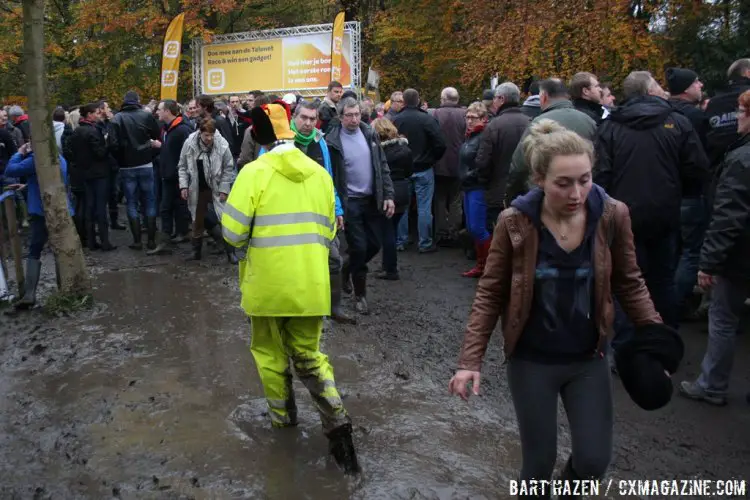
(206,172)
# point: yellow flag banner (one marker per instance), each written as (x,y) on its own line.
(337,44)
(170,58)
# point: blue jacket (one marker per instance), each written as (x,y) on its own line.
(23,166)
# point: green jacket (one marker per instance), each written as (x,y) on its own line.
(563,112)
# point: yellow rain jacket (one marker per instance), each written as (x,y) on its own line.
(283,206)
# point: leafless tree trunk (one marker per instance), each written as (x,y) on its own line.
(73,275)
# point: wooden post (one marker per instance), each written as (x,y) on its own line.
(15,242)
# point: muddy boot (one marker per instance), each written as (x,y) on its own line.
(337,312)
(360,292)
(346,279)
(218,240)
(135,229)
(197,249)
(33,270)
(151,233)
(341,446)
(162,247)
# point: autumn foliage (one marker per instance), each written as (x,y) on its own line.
(101,48)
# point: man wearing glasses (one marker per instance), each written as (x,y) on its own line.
(363,182)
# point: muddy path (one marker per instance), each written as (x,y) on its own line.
(153,394)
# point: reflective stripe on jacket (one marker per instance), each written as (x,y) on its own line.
(283,208)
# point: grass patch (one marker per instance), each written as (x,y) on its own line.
(61,304)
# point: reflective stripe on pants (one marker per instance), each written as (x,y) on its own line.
(274,341)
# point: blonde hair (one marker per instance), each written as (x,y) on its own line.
(385,128)
(479,108)
(548,139)
(73,118)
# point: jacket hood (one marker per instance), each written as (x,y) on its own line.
(292,163)
(403,141)
(532,102)
(59,126)
(642,112)
(530,204)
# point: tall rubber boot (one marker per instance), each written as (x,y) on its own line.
(135,229)
(162,245)
(218,238)
(151,233)
(346,278)
(114,224)
(197,249)
(360,294)
(106,246)
(482,249)
(337,312)
(341,446)
(231,254)
(33,270)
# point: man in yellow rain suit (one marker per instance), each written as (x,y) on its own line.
(282,206)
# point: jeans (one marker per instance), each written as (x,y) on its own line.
(139,182)
(476,214)
(38,237)
(363,230)
(423,184)
(173,208)
(694,222)
(390,255)
(727,302)
(586,391)
(657,258)
(97,195)
(448,209)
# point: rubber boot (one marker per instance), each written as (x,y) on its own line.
(337,312)
(151,233)
(104,237)
(346,279)
(360,293)
(91,235)
(33,270)
(482,249)
(197,249)
(135,229)
(162,246)
(341,446)
(231,254)
(218,239)
(114,224)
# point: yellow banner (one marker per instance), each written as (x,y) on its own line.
(337,46)
(170,59)
(279,64)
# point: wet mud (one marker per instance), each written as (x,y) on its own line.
(153,394)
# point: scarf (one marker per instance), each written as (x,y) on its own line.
(475,130)
(304,140)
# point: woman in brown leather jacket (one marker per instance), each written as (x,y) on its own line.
(557,256)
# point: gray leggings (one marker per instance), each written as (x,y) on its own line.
(586,390)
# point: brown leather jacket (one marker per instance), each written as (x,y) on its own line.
(507,286)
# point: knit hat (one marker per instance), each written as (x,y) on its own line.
(488,95)
(679,79)
(641,363)
(271,123)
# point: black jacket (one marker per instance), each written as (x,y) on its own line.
(225,129)
(175,135)
(90,154)
(382,188)
(727,242)
(592,109)
(721,115)
(134,128)
(645,153)
(7,148)
(698,119)
(426,140)
(238,133)
(467,155)
(400,163)
(328,117)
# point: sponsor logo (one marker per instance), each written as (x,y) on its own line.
(172,49)
(216,79)
(723,120)
(168,78)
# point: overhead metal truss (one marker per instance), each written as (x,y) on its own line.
(350,27)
